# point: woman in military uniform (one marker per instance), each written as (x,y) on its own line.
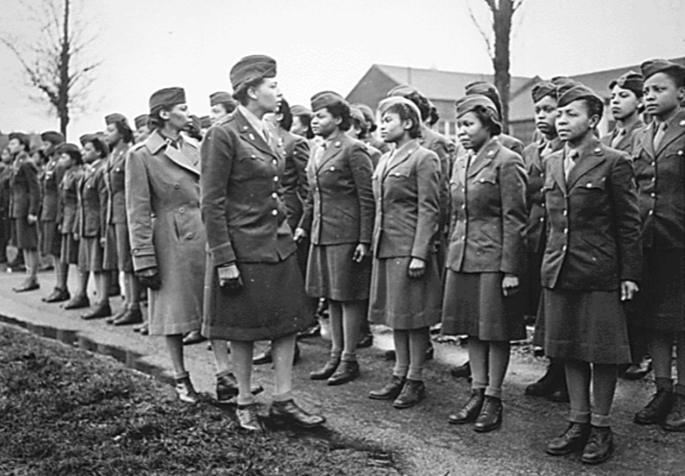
(338,220)
(486,257)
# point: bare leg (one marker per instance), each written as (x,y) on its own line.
(242,366)
(283,350)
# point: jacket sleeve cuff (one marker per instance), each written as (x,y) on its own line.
(222,254)
(141,262)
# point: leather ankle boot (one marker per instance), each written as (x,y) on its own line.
(675,421)
(346,372)
(574,438)
(390,391)
(471,410)
(657,409)
(600,445)
(412,393)
(549,382)
(326,371)
(490,417)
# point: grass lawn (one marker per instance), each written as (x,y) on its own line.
(66,411)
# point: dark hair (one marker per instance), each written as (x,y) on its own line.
(229,106)
(489,119)
(341,110)
(434,116)
(286,120)
(124,130)
(422,103)
(75,155)
(241,94)
(594,106)
(362,126)
(677,75)
(306,120)
(405,114)
(100,146)
(155,121)
(23,139)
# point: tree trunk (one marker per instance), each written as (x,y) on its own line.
(502,24)
(63,88)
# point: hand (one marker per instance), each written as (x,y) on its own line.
(300,234)
(103,240)
(31,219)
(149,277)
(229,277)
(417,267)
(360,252)
(628,290)
(510,285)
(76,237)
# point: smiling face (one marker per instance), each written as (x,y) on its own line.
(324,123)
(662,95)
(471,131)
(624,103)
(574,121)
(546,116)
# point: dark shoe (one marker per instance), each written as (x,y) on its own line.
(574,438)
(346,372)
(289,413)
(391,391)
(185,390)
(326,371)
(145,330)
(639,370)
(471,410)
(549,383)
(365,341)
(114,317)
(657,409)
(412,393)
(675,421)
(560,395)
(490,417)
(77,302)
(312,331)
(263,357)
(463,371)
(131,316)
(248,419)
(389,355)
(57,295)
(28,285)
(600,446)
(227,388)
(193,337)
(139,327)
(102,310)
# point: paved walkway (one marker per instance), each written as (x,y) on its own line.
(425,443)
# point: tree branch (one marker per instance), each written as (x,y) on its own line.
(486,37)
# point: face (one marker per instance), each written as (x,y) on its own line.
(112,135)
(45,145)
(267,95)
(393,128)
(624,103)
(324,123)
(574,121)
(140,134)
(90,153)
(545,116)
(662,95)
(66,161)
(471,132)
(6,156)
(298,128)
(178,117)
(217,112)
(15,146)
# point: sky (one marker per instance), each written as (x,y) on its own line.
(145,45)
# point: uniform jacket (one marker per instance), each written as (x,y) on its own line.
(593,238)
(660,177)
(488,212)
(535,198)
(294,186)
(406,190)
(382,146)
(68,199)
(339,208)
(5,191)
(116,184)
(446,152)
(626,142)
(511,143)
(374,155)
(165,224)
(93,200)
(50,180)
(25,198)
(242,209)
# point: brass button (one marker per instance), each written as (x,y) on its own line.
(177,186)
(274,195)
(274,212)
(275,178)
(182,210)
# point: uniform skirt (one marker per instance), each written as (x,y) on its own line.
(50,239)
(401,302)
(332,274)
(25,235)
(271,303)
(69,249)
(585,325)
(660,304)
(90,254)
(124,260)
(474,305)
(109,253)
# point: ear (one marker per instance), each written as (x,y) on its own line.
(407,124)
(164,115)
(337,120)
(251,93)
(594,120)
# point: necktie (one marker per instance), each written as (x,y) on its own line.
(617,137)
(658,137)
(570,162)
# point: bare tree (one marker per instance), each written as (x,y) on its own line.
(497,38)
(55,61)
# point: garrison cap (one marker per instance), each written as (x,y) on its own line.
(563,84)
(101,147)
(114,118)
(386,103)
(358,115)
(141,120)
(403,90)
(205,122)
(251,68)
(167,97)
(54,137)
(630,80)
(579,92)
(326,99)
(86,138)
(470,102)
(24,139)
(651,67)
(486,89)
(544,89)
(220,97)
(368,113)
(298,110)
(68,148)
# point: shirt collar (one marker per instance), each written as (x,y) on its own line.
(254,121)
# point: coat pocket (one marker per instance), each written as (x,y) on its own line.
(186,224)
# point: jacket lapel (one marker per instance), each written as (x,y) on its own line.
(675,129)
(156,142)
(400,157)
(557,171)
(334,148)
(647,140)
(248,133)
(484,157)
(591,156)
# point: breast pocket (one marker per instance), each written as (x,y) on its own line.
(486,178)
(593,184)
